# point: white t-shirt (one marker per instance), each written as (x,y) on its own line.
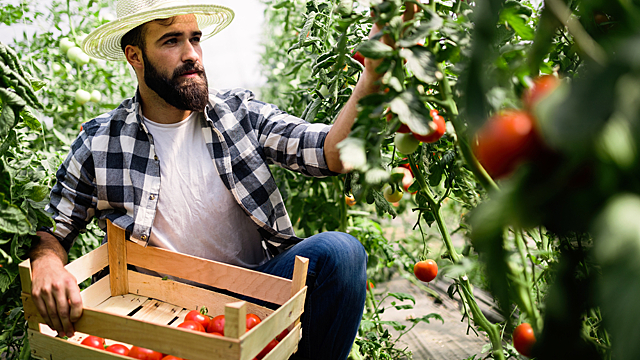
(197,215)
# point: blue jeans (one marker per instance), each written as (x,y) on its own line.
(336,283)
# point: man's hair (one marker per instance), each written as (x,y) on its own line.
(135,36)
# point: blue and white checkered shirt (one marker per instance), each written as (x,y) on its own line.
(112,171)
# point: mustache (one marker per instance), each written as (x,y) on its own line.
(187,68)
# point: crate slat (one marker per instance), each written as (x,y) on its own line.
(122,304)
(242,281)
(117,260)
(287,346)
(158,312)
(187,296)
(254,341)
(88,264)
(51,348)
(96,293)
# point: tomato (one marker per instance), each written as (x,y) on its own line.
(370,285)
(282,335)
(171,357)
(267,348)
(76,55)
(216,325)
(359,58)
(504,141)
(524,339)
(406,143)
(425,270)
(96,96)
(542,86)
(252,320)
(94,342)
(350,200)
(439,128)
(82,96)
(191,325)
(144,354)
(65,45)
(392,195)
(197,316)
(215,333)
(118,349)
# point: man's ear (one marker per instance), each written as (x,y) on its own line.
(134,57)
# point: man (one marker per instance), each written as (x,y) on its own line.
(184,168)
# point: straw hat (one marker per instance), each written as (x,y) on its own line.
(104,42)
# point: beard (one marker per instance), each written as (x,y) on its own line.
(184,94)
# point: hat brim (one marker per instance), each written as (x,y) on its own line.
(104,42)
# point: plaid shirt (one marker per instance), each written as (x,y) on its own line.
(112,171)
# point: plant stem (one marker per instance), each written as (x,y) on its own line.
(342,204)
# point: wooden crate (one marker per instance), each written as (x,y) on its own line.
(138,309)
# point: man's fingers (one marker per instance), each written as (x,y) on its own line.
(62,303)
(52,311)
(42,309)
(75,303)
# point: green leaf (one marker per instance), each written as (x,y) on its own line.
(513,17)
(403,297)
(35,192)
(374,49)
(30,120)
(420,33)
(426,318)
(412,111)
(382,205)
(7,120)
(421,62)
(12,219)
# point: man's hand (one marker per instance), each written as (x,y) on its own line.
(367,84)
(55,291)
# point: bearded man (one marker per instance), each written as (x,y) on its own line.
(185,168)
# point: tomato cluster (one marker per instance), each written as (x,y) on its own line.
(407,142)
(194,321)
(510,138)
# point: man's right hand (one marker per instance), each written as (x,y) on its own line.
(55,290)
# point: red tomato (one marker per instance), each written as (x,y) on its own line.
(171,357)
(370,285)
(252,320)
(144,354)
(542,86)
(524,339)
(506,140)
(118,349)
(94,342)
(425,270)
(439,128)
(215,333)
(216,325)
(195,315)
(359,58)
(282,335)
(191,325)
(267,348)
(350,200)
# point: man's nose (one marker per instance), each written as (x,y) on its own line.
(190,53)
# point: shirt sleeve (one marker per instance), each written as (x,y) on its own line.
(289,141)
(73,197)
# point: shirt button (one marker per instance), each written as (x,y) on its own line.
(155,157)
(143,237)
(152,197)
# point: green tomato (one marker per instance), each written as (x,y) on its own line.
(96,96)
(391,195)
(56,67)
(406,143)
(82,96)
(76,55)
(65,45)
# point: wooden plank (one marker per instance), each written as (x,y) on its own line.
(157,312)
(235,319)
(88,264)
(186,296)
(96,293)
(122,304)
(255,340)
(168,340)
(300,269)
(117,260)
(51,348)
(24,269)
(242,281)
(286,347)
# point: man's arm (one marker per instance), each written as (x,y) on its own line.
(55,291)
(367,84)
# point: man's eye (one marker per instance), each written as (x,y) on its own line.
(196,39)
(171,41)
